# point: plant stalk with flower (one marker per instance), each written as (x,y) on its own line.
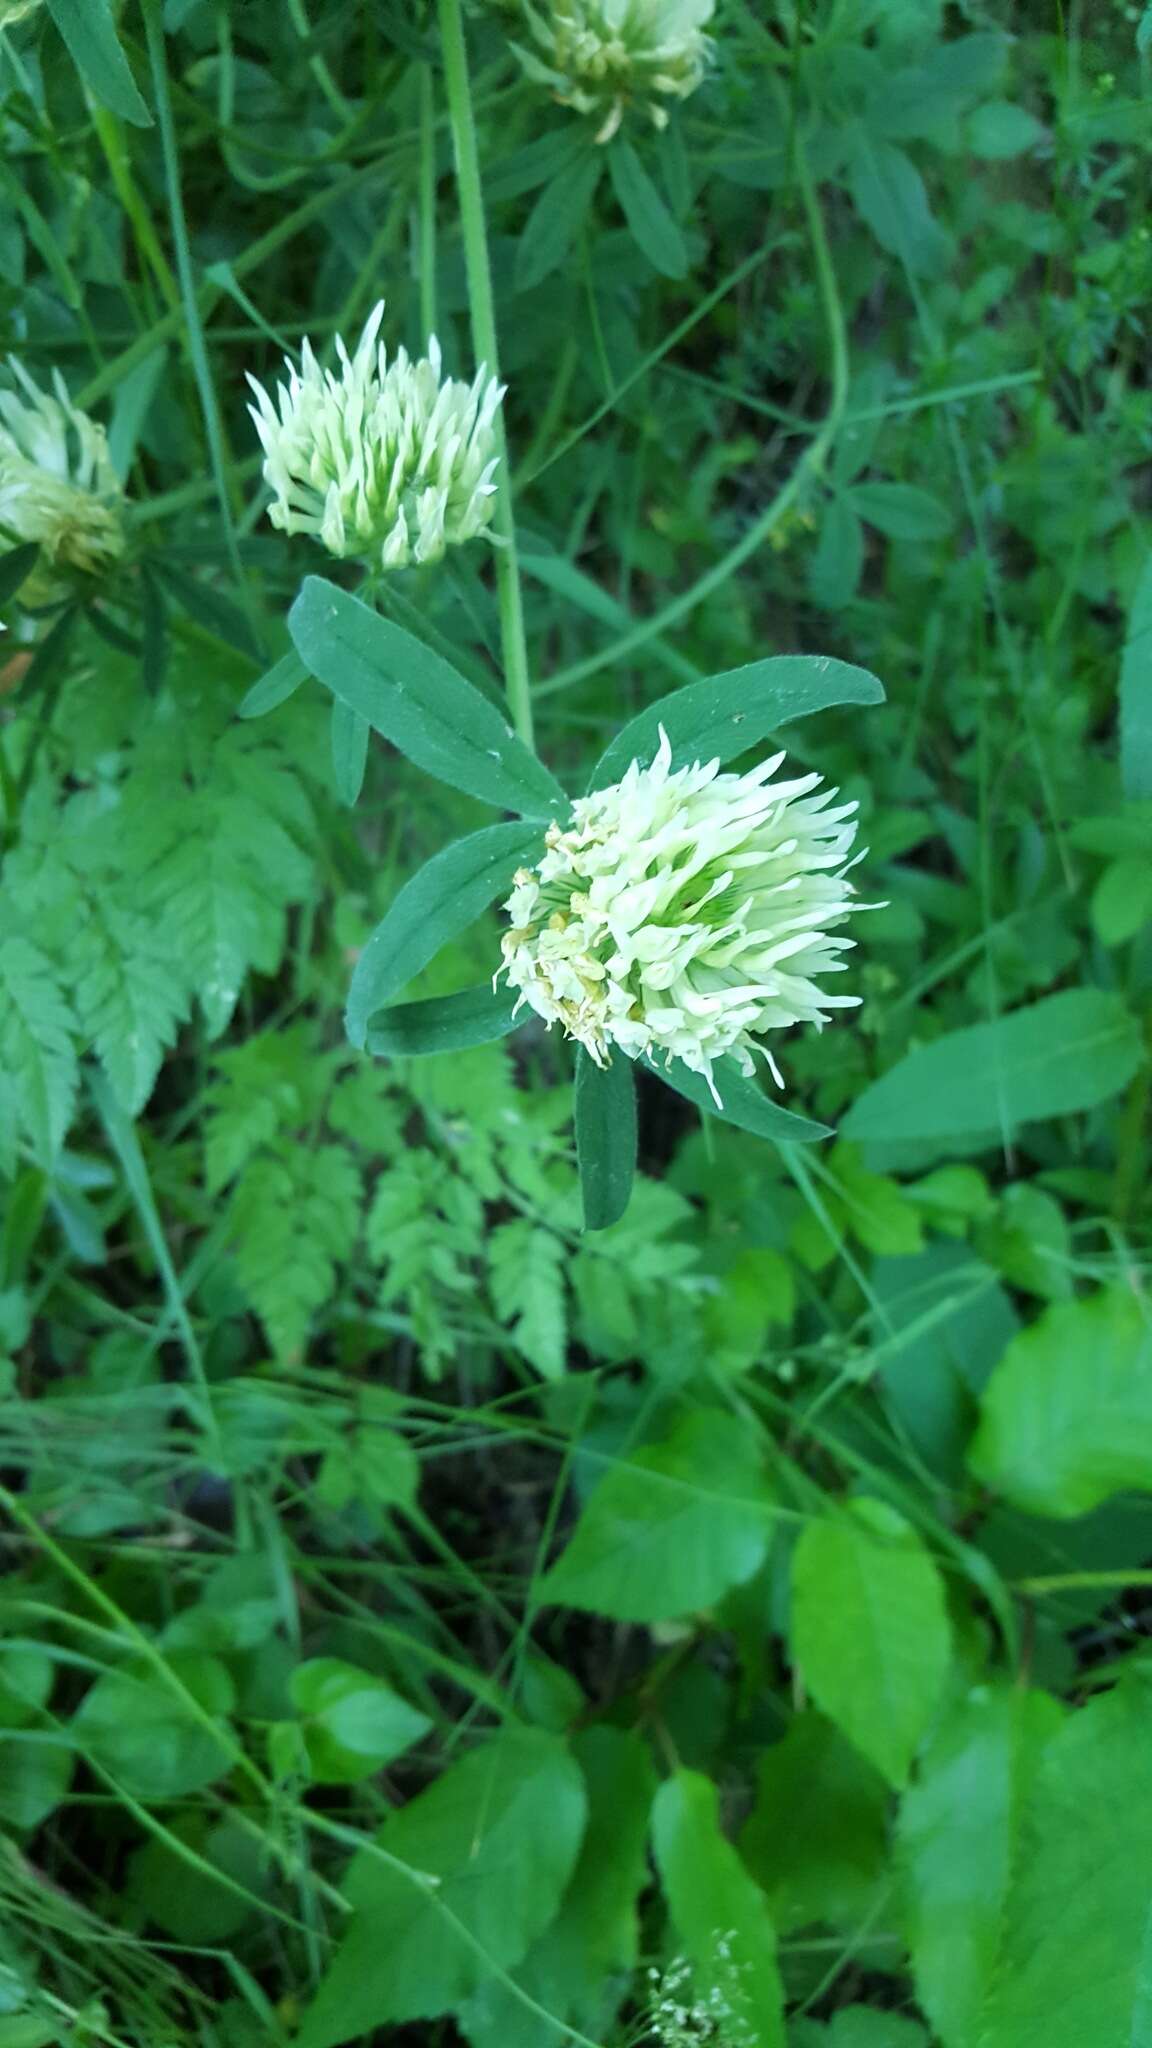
(58,487)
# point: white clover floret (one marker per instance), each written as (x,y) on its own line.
(687,914)
(57,484)
(387,462)
(598,55)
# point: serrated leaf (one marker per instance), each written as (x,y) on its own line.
(527,1271)
(655,232)
(128,1002)
(1072,1961)
(671,1528)
(725,715)
(89,33)
(605,1137)
(477,1866)
(442,899)
(719,1913)
(294,1218)
(869,1630)
(1067,1052)
(38,1070)
(1066,1418)
(959,1838)
(742,1102)
(418,702)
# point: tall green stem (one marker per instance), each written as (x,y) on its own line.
(475,234)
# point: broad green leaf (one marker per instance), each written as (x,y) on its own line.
(417,701)
(655,232)
(147,1736)
(942,1323)
(469,1874)
(556,220)
(959,1838)
(36,1771)
(447,895)
(1122,899)
(837,562)
(888,193)
(925,99)
(1136,693)
(870,1630)
(89,32)
(475,1016)
(605,1137)
(1000,129)
(594,1936)
(719,1913)
(1067,1052)
(671,1528)
(725,715)
(859,2026)
(817,1838)
(1066,1419)
(744,1102)
(349,751)
(15,565)
(902,511)
(281,682)
(353,1722)
(1073,1962)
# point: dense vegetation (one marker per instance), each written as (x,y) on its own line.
(426,1619)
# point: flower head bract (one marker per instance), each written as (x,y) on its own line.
(687,914)
(598,55)
(57,484)
(388,462)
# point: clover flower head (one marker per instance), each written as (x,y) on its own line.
(57,483)
(388,462)
(687,914)
(598,55)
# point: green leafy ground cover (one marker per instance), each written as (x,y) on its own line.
(424,1619)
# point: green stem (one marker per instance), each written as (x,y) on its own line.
(194,326)
(516,678)
(1132,1144)
(810,465)
(427,245)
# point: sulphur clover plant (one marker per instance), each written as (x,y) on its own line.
(600,56)
(59,492)
(670,919)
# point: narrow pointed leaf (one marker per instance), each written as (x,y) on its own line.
(89,34)
(605,1137)
(744,1103)
(418,702)
(442,899)
(723,716)
(281,682)
(476,1016)
(349,751)
(15,565)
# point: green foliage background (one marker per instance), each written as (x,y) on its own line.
(424,1620)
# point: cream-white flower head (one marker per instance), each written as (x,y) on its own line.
(384,461)
(597,55)
(57,483)
(685,914)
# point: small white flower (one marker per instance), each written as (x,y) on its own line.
(383,461)
(686,914)
(600,54)
(57,483)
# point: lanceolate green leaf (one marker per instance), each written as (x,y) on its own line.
(461,1879)
(723,716)
(15,565)
(1067,1052)
(605,1137)
(672,1528)
(476,1016)
(349,751)
(281,682)
(655,231)
(1066,1419)
(1136,693)
(418,701)
(744,1102)
(719,1914)
(89,32)
(444,898)
(870,1630)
